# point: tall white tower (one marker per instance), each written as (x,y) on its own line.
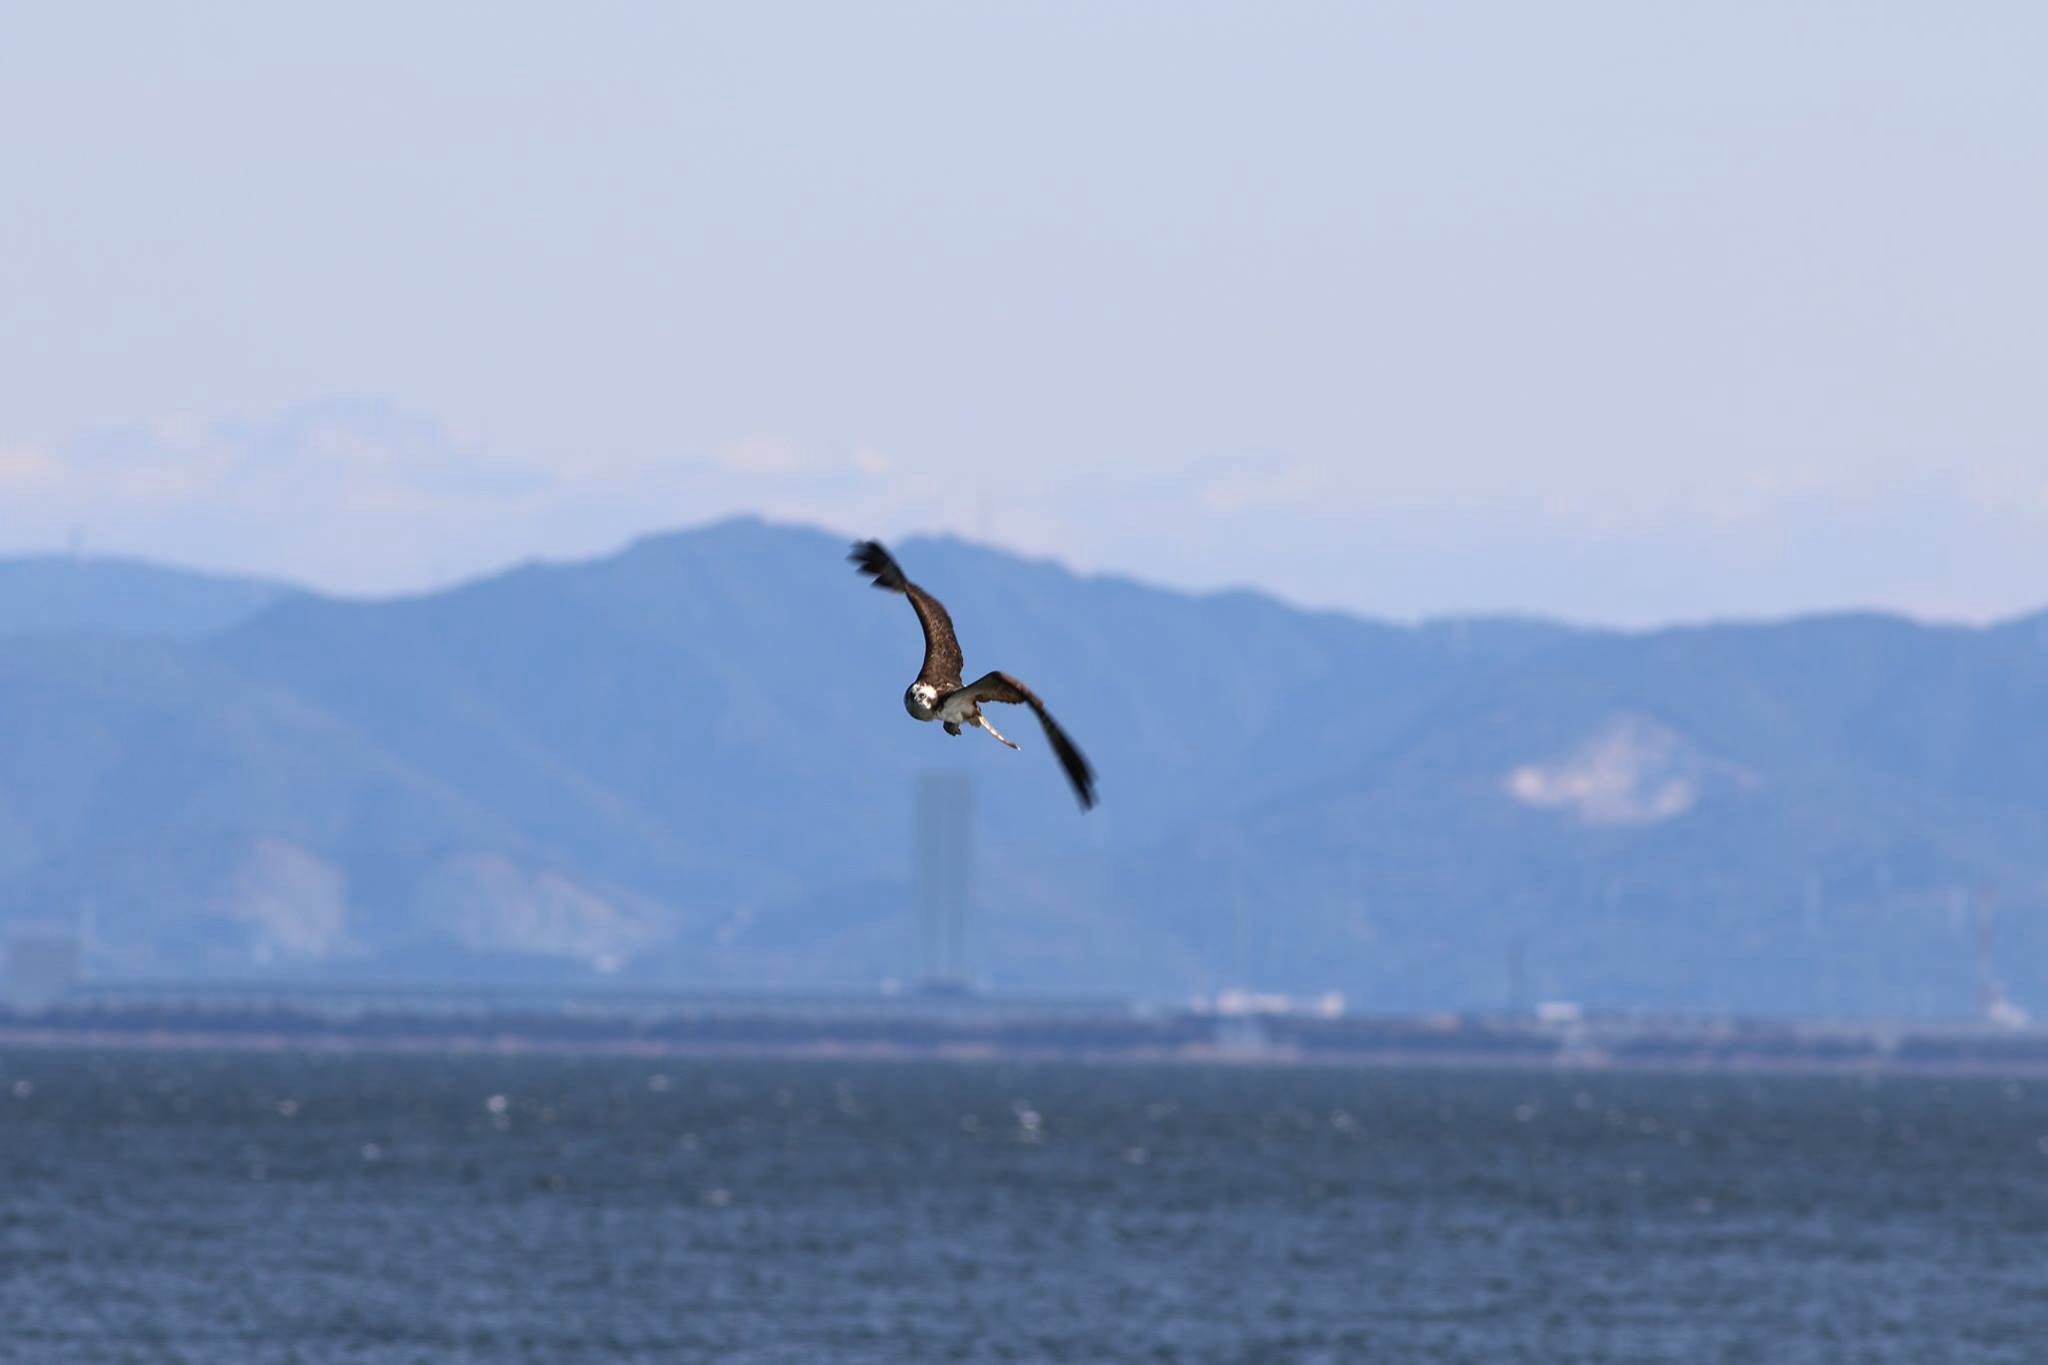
(942,847)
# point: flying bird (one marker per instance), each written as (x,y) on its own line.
(938,693)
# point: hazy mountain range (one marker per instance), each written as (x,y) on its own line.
(689,762)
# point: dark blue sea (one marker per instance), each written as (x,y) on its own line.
(308,1207)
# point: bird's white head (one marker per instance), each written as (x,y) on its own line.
(922,700)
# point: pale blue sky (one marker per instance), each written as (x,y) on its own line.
(1623,312)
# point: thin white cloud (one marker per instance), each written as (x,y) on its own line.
(365,496)
(1262,484)
(765,453)
(23,469)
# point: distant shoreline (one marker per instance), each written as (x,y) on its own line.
(512,1043)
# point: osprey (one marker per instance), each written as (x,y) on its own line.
(938,694)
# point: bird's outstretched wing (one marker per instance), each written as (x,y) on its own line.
(941,650)
(1004,688)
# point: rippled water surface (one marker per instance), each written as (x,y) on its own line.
(313,1208)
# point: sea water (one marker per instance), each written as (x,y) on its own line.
(315,1207)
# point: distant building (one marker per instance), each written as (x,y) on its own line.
(1236,1002)
(942,847)
(41,969)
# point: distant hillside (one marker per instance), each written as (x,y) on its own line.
(689,761)
(46,593)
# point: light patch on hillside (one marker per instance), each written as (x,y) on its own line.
(1632,771)
(487,903)
(294,901)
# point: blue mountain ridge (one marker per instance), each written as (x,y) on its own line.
(688,762)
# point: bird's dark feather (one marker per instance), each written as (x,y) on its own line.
(1001,687)
(942,659)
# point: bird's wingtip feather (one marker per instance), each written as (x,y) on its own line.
(876,562)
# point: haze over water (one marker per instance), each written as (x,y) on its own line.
(378,1209)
